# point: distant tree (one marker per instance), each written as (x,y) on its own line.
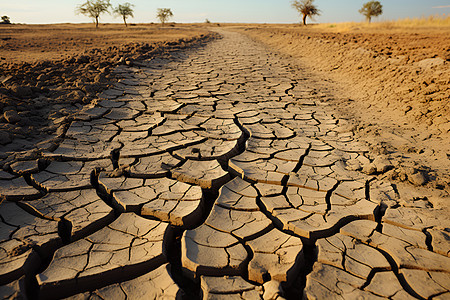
(306,8)
(125,10)
(5,20)
(207,21)
(93,9)
(164,14)
(371,9)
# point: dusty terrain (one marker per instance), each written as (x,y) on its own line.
(391,85)
(32,43)
(217,168)
(47,72)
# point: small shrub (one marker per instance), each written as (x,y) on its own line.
(94,9)
(5,20)
(164,14)
(371,9)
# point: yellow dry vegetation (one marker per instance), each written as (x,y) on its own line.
(435,22)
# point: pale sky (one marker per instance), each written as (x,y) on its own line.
(246,11)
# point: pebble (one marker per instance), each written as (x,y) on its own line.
(418,178)
(99,78)
(5,138)
(369,169)
(42,77)
(22,91)
(382,164)
(11,116)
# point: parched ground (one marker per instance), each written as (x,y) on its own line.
(391,85)
(48,72)
(34,43)
(222,171)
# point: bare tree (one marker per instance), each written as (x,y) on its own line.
(306,8)
(94,9)
(164,14)
(371,9)
(5,20)
(125,10)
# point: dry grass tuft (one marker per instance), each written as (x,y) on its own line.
(435,22)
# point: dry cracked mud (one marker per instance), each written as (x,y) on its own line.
(216,174)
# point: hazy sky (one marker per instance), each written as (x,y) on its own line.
(254,11)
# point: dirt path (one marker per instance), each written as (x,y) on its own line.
(219,173)
(391,85)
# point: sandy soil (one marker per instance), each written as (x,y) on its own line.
(32,43)
(48,72)
(219,171)
(391,85)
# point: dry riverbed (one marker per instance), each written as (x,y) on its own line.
(186,169)
(392,87)
(48,72)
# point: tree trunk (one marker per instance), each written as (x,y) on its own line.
(96,22)
(369,19)
(304,19)
(125,21)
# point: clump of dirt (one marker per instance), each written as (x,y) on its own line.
(392,87)
(35,98)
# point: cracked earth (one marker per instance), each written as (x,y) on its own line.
(215,174)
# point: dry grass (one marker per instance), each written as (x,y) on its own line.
(439,22)
(431,21)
